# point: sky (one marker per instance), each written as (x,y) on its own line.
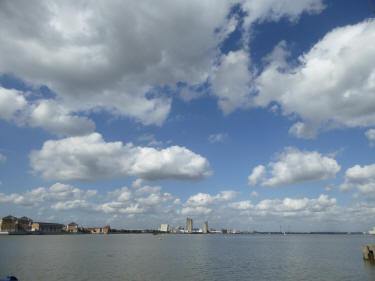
(251,114)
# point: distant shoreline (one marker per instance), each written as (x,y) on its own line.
(169,233)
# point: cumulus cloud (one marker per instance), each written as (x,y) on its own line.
(91,61)
(231,78)
(196,211)
(122,194)
(204,199)
(144,199)
(274,10)
(83,53)
(56,119)
(336,76)
(12,104)
(295,166)
(153,205)
(46,114)
(203,203)
(287,207)
(257,175)
(90,157)
(230,82)
(362,178)
(56,192)
(147,189)
(72,205)
(62,197)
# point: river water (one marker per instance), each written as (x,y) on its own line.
(144,257)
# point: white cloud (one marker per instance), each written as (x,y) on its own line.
(329,187)
(56,119)
(91,61)
(157,207)
(336,76)
(363,178)
(204,199)
(257,175)
(155,199)
(287,207)
(196,211)
(137,183)
(189,93)
(12,104)
(214,138)
(147,189)
(204,204)
(231,80)
(122,194)
(303,130)
(71,205)
(370,134)
(145,199)
(82,52)
(360,175)
(62,197)
(254,194)
(90,157)
(150,140)
(295,166)
(274,10)
(56,192)
(46,114)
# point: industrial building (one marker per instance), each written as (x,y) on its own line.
(164,228)
(189,225)
(205,227)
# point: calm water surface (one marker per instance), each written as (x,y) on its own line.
(185,257)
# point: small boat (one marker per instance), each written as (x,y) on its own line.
(159,238)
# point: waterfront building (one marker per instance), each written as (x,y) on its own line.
(189,225)
(100,230)
(14,224)
(164,228)
(47,227)
(72,227)
(24,223)
(205,227)
(8,223)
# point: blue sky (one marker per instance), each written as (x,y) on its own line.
(249,114)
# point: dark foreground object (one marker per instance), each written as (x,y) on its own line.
(368,252)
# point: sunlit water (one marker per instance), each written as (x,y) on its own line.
(185,257)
